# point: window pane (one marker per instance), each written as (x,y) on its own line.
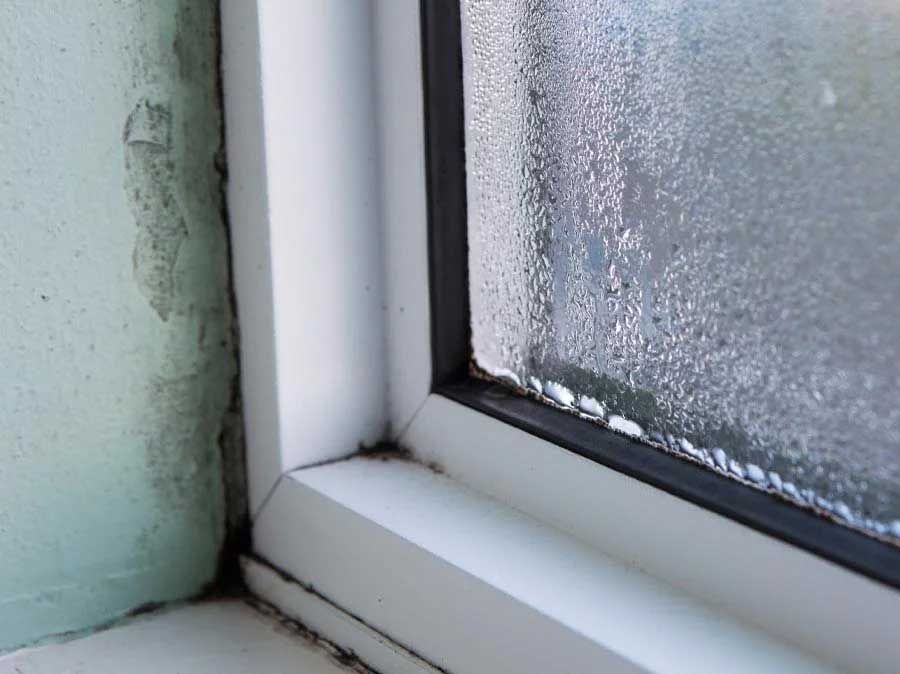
(689,211)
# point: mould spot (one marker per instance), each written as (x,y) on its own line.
(181,425)
(385,451)
(150,179)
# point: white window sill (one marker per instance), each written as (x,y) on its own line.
(225,636)
(477,586)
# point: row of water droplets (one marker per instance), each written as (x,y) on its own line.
(694,204)
(716,458)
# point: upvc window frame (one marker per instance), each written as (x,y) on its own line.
(329,208)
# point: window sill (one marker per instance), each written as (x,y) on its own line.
(475,585)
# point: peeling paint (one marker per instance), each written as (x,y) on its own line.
(173,460)
(149,182)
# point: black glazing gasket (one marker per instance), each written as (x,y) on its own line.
(453,378)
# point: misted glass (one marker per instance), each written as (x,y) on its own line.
(684,215)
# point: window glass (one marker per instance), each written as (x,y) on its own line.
(684,220)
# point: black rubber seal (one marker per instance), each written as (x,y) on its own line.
(445,164)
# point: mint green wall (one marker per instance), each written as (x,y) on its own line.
(116,360)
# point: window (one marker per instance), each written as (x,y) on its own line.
(653,239)
(508,534)
(675,219)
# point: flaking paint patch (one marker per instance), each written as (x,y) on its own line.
(150,185)
(180,448)
(195,451)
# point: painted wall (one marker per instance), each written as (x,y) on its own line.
(116,354)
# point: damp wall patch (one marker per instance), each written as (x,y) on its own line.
(116,331)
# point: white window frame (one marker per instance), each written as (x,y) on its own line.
(516,555)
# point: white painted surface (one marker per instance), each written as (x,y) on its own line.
(297,602)
(302,148)
(802,598)
(401,132)
(222,637)
(476,586)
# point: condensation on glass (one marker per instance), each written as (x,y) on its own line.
(684,219)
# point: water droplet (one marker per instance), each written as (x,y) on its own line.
(559,394)
(829,98)
(756,473)
(590,406)
(721,458)
(626,426)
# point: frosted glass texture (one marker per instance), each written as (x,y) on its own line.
(689,211)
